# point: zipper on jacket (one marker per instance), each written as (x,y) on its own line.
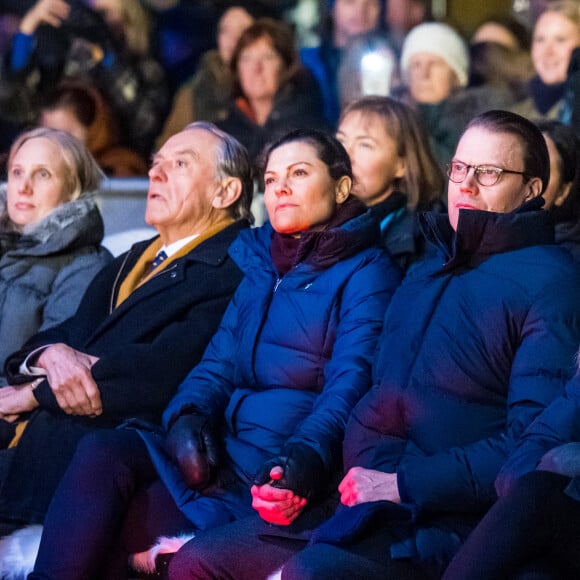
(278,282)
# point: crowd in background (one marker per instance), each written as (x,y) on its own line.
(124,76)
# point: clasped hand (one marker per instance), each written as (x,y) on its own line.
(69,375)
(285,484)
(16,400)
(274,504)
(362,485)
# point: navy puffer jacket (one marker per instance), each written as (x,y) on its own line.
(292,355)
(476,342)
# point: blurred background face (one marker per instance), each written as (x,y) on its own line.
(373,155)
(402,15)
(495,32)
(554,39)
(299,192)
(64,120)
(259,70)
(430,78)
(556,192)
(352,17)
(36,181)
(230,28)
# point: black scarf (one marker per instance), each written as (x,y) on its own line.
(321,246)
(545,96)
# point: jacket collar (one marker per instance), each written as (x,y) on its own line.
(481,234)
(72,225)
(213,254)
(252,248)
(393,203)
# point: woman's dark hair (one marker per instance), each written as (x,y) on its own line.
(536,156)
(517,30)
(329,150)
(89,107)
(282,39)
(76,98)
(568,147)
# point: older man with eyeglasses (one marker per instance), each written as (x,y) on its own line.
(476,342)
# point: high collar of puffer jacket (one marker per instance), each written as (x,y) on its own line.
(74,224)
(481,234)
(252,247)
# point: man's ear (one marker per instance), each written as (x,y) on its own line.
(534,188)
(342,189)
(230,190)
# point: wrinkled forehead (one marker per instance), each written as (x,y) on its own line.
(197,143)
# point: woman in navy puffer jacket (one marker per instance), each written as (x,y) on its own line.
(267,406)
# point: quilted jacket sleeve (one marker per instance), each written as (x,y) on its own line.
(462,478)
(556,425)
(209,385)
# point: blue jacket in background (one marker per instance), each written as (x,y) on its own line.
(290,360)
(557,425)
(323,61)
(476,342)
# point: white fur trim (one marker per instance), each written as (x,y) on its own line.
(275,575)
(18,553)
(145,561)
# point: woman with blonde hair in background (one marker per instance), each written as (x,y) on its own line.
(556,34)
(394,170)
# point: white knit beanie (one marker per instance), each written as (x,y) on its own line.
(441,40)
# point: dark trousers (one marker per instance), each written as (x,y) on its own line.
(108,505)
(251,549)
(531,533)
(366,559)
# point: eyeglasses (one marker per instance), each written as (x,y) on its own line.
(485,175)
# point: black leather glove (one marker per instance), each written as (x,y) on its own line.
(193,444)
(303,471)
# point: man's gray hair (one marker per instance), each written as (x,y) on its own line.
(232,161)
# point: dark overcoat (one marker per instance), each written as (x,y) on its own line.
(145,347)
